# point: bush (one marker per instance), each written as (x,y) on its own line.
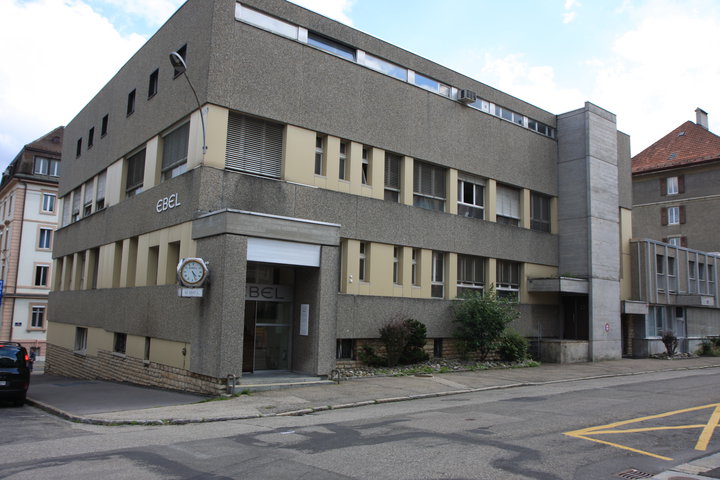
(370,358)
(394,335)
(670,341)
(481,319)
(513,347)
(710,347)
(416,340)
(403,338)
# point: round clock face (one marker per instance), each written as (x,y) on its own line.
(192,272)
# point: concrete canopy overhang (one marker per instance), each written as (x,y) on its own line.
(558,285)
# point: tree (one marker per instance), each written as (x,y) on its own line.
(480,320)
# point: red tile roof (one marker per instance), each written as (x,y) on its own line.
(688,144)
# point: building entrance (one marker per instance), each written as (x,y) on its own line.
(266,343)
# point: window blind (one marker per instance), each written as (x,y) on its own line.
(254,146)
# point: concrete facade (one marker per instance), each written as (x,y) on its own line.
(339,171)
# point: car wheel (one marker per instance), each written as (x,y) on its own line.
(20,401)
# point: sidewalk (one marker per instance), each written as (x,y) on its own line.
(108,403)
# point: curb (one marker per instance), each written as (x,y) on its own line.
(309,410)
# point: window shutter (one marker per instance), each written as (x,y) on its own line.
(88,192)
(663,186)
(508,202)
(392,171)
(101,186)
(254,146)
(683,241)
(663,216)
(175,147)
(681,183)
(665,240)
(681,208)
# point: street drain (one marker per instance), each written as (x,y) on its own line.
(633,474)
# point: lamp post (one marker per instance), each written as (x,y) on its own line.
(180,67)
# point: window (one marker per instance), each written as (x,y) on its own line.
(540,212)
(415,266)
(672,185)
(81,335)
(319,155)
(37,317)
(508,279)
(397,265)
(253,17)
(146,353)
(658,320)
(365,166)
(120,342)
(76,204)
(78,147)
(45,238)
(91,137)
(153,83)
(363,264)
(702,278)
(100,193)
(508,205)
(254,146)
(135,173)
(331,46)
(671,275)
(692,277)
(471,274)
(672,215)
(676,241)
(344,349)
(88,198)
(432,85)
(437,347)
(437,287)
(429,186)
(175,152)
(509,115)
(54,168)
(131,103)
(48,202)
(67,209)
(386,67)
(343,161)
(46,166)
(392,177)
(104,126)
(471,198)
(41,275)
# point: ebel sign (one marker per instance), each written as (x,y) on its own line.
(166,203)
(268,293)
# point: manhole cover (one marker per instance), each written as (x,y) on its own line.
(633,473)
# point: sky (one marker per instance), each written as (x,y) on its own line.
(650,62)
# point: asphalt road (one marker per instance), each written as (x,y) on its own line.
(585,430)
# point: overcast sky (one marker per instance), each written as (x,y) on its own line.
(651,62)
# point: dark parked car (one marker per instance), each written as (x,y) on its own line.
(14,372)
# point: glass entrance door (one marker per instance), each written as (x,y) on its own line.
(270,336)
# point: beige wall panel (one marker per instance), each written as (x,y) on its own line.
(61,334)
(525,208)
(299,155)
(99,339)
(114,185)
(406,180)
(452,192)
(170,353)
(377,173)
(153,155)
(532,270)
(491,197)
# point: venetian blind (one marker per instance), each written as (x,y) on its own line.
(254,146)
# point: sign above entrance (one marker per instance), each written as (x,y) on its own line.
(287,253)
(268,293)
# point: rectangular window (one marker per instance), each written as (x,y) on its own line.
(471,274)
(120,342)
(437,347)
(365,166)
(41,166)
(392,177)
(153,83)
(432,85)
(104,126)
(266,22)
(91,137)
(660,272)
(508,279)
(415,267)
(429,186)
(692,277)
(45,238)
(54,168)
(48,202)
(672,185)
(42,273)
(539,212)
(437,288)
(131,103)
(331,46)
(508,205)
(175,152)
(135,173)
(471,198)
(673,215)
(81,335)
(254,146)
(363,264)
(37,319)
(386,67)
(78,147)
(100,193)
(344,349)
(319,155)
(397,265)
(146,353)
(672,275)
(76,201)
(343,161)
(67,209)
(88,198)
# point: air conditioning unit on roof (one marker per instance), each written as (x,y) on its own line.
(467,96)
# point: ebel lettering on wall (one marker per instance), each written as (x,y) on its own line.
(166,203)
(268,293)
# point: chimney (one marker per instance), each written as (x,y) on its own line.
(701,118)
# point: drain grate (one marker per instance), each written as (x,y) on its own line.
(633,474)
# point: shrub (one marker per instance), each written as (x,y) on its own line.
(370,358)
(670,341)
(513,347)
(710,347)
(394,335)
(481,319)
(416,340)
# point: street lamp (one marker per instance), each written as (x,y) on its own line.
(180,67)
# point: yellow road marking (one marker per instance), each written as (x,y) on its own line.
(707,432)
(612,429)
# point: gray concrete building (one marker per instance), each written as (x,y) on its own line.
(323,183)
